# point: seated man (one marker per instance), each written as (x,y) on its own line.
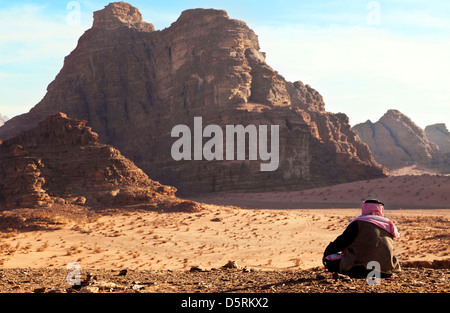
(369,237)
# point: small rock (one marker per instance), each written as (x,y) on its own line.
(90,277)
(89,289)
(104,285)
(123,272)
(138,287)
(58,200)
(80,201)
(40,290)
(58,290)
(320,277)
(341,277)
(232,264)
(198,268)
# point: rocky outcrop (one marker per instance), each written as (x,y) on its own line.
(61,162)
(439,134)
(3,119)
(133,85)
(396,141)
(119,15)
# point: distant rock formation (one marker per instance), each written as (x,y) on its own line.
(60,161)
(396,141)
(133,85)
(439,134)
(3,119)
(117,15)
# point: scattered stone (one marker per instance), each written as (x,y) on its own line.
(246,269)
(198,268)
(340,276)
(103,285)
(123,272)
(40,290)
(138,287)
(80,201)
(320,276)
(58,290)
(232,265)
(89,289)
(410,280)
(90,277)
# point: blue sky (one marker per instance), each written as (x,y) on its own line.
(364,57)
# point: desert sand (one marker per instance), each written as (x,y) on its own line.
(278,231)
(259,239)
(411,191)
(268,239)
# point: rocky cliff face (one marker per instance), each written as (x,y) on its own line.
(60,161)
(396,141)
(3,119)
(439,134)
(133,85)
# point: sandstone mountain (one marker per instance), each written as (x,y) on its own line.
(61,162)
(133,84)
(3,119)
(439,134)
(396,141)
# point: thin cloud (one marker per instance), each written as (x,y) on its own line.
(362,71)
(32,35)
(33,44)
(414,21)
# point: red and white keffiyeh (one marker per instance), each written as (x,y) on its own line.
(374,213)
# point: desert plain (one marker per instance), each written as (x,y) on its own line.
(268,232)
